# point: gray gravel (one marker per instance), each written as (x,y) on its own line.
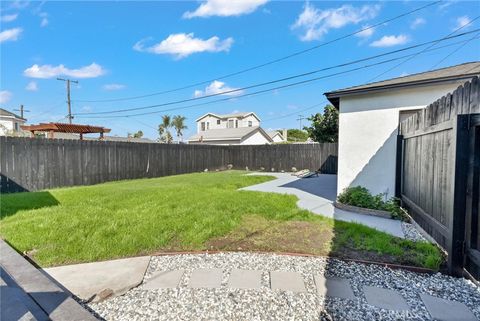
(411,233)
(223,303)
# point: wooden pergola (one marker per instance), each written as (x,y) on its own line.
(53,128)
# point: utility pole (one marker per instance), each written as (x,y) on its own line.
(22,111)
(300,118)
(69,103)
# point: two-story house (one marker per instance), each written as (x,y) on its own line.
(230,129)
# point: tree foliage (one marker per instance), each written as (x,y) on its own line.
(324,127)
(178,123)
(138,134)
(164,129)
(296,135)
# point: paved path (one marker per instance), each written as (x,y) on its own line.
(317,195)
(211,278)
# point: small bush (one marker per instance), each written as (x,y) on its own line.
(361,197)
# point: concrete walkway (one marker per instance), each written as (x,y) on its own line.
(317,195)
(99,280)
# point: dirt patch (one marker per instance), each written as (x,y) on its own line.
(303,237)
(290,236)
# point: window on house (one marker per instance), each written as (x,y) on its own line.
(218,121)
(202,126)
(16,127)
(236,123)
(208,125)
(250,124)
(230,123)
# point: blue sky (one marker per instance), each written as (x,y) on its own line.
(124,49)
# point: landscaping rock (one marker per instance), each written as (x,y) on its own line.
(225,303)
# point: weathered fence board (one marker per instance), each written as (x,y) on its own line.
(432,173)
(33,164)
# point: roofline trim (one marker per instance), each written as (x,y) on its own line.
(346,92)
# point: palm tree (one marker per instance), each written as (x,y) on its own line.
(178,123)
(164,129)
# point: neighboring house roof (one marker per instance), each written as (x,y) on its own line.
(233,115)
(458,72)
(227,134)
(4,112)
(273,133)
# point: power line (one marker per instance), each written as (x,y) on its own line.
(269,62)
(265,90)
(279,80)
(454,51)
(410,58)
(295,112)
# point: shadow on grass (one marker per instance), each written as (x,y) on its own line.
(12,203)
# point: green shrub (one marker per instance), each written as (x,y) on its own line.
(361,197)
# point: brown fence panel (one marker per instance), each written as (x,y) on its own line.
(28,164)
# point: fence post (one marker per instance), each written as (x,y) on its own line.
(399,167)
(456,244)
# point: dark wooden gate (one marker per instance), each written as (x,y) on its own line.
(472,219)
(438,174)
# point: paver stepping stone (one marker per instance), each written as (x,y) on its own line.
(446,310)
(164,280)
(384,298)
(245,279)
(334,287)
(287,281)
(206,278)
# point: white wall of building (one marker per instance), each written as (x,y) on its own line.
(277,139)
(10,125)
(367,134)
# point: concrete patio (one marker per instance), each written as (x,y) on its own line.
(317,194)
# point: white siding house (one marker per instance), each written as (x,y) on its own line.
(10,123)
(368,122)
(230,129)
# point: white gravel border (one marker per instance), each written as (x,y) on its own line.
(184,303)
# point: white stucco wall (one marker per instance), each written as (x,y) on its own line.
(367,134)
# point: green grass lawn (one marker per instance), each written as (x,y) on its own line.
(186,212)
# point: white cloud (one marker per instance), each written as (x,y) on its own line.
(388,41)
(417,22)
(5,96)
(112,87)
(217,87)
(44,22)
(315,23)
(10,34)
(32,86)
(225,8)
(86,108)
(48,71)
(181,45)
(365,33)
(9,17)
(462,22)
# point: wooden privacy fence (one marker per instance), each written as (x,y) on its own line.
(28,164)
(438,162)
